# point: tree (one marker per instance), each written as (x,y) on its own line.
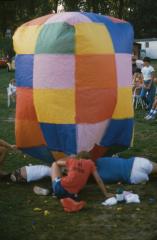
(141,13)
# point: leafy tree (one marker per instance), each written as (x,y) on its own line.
(141,13)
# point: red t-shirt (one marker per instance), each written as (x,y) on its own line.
(78,174)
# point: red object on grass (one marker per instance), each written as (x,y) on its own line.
(71,205)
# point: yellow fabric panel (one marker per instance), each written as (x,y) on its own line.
(25,39)
(124,106)
(55,105)
(92,38)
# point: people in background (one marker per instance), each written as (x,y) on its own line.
(137,82)
(153,112)
(148,89)
(134,66)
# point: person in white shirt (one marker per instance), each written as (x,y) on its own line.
(148,89)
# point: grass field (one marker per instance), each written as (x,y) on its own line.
(18,220)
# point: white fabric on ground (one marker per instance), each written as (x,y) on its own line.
(131,197)
(110,201)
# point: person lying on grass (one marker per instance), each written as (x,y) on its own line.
(79,169)
(4,148)
(133,170)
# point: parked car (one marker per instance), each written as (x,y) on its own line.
(11,64)
(3,62)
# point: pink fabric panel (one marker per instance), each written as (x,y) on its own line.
(124,70)
(54,71)
(90,134)
(69,17)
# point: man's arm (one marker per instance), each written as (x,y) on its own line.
(62,162)
(101,185)
(5,144)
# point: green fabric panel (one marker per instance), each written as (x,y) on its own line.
(56,38)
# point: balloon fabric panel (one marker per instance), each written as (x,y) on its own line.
(24,70)
(54,35)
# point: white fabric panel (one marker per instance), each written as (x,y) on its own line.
(90,134)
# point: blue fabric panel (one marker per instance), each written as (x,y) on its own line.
(24,70)
(114,169)
(60,137)
(119,132)
(39,153)
(121,33)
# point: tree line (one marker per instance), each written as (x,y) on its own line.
(140,13)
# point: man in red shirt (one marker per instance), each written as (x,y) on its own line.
(79,169)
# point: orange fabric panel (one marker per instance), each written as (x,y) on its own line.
(38,21)
(28,134)
(25,107)
(94,105)
(97,71)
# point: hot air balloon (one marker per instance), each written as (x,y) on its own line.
(73,74)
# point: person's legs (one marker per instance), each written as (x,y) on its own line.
(31,173)
(143,93)
(154,106)
(36,172)
(144,98)
(151,96)
(58,189)
(56,171)
(141,169)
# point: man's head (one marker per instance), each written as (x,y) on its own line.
(146,61)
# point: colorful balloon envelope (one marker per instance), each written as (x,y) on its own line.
(73,74)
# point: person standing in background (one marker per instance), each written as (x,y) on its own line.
(148,89)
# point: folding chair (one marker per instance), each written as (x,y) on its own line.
(137,100)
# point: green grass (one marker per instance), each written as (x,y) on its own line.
(18,220)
